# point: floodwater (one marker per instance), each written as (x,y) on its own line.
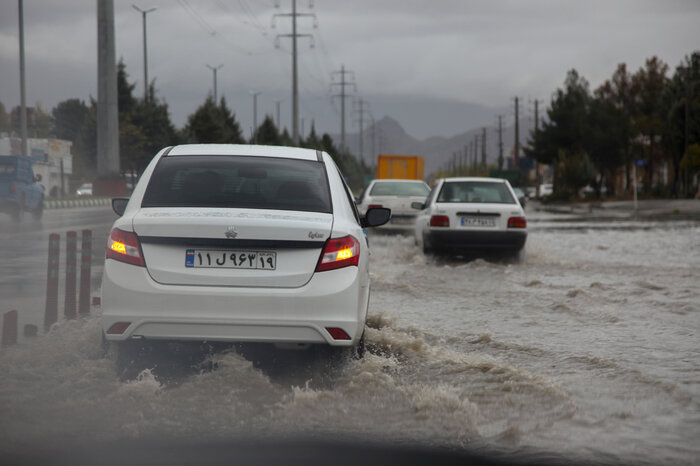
(588,350)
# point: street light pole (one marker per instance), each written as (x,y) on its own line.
(214,69)
(145,56)
(22,79)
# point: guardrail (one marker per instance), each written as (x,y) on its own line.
(70,203)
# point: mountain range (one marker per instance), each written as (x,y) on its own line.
(387,136)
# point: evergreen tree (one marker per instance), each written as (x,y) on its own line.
(682,105)
(68,117)
(212,123)
(5,126)
(268,133)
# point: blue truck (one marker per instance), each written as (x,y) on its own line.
(19,191)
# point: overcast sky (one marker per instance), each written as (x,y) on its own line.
(428,52)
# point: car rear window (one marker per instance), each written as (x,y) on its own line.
(476,191)
(394,188)
(239,181)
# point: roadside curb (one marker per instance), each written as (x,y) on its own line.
(72,203)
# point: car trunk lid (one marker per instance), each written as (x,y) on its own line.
(231,247)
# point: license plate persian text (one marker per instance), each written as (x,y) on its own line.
(478,222)
(206,258)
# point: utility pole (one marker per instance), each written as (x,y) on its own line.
(255,115)
(483,148)
(516,156)
(343,95)
(295,85)
(360,107)
(22,83)
(109,182)
(214,70)
(475,152)
(145,60)
(374,132)
(500,142)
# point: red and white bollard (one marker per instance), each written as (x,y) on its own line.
(51,310)
(9,329)
(69,310)
(85,265)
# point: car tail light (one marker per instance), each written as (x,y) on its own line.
(338,253)
(517,222)
(439,221)
(124,246)
(338,333)
(118,328)
(13,188)
(374,206)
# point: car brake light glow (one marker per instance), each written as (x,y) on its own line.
(338,253)
(517,222)
(439,221)
(338,333)
(374,206)
(124,246)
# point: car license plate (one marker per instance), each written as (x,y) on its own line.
(402,220)
(207,258)
(478,222)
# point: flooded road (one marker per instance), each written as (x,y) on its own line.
(586,350)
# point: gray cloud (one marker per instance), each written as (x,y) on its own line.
(482,52)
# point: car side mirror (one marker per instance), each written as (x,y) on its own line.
(375,217)
(418,205)
(119,205)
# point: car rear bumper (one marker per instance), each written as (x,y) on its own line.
(233,314)
(475,241)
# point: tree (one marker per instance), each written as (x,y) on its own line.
(567,129)
(212,123)
(38,122)
(268,134)
(681,99)
(4,119)
(152,117)
(618,92)
(68,118)
(648,120)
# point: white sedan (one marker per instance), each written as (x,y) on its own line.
(397,195)
(238,243)
(471,216)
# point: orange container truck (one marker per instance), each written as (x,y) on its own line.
(401,167)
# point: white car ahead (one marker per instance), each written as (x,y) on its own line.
(238,243)
(471,216)
(397,195)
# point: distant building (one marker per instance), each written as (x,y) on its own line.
(52,160)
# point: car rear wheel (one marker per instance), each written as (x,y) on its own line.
(18,211)
(39,211)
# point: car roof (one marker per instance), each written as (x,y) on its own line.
(244,149)
(475,178)
(394,180)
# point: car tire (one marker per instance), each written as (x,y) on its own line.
(18,212)
(39,211)
(427,247)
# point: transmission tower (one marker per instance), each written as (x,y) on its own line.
(295,84)
(343,95)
